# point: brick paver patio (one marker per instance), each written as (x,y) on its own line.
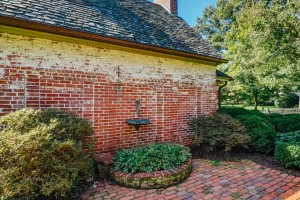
(208,180)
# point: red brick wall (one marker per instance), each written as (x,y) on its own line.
(31,75)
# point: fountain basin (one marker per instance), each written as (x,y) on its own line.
(137,123)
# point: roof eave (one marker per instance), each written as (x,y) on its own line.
(220,78)
(41,27)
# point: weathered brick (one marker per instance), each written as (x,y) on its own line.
(102,86)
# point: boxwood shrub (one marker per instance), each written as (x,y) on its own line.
(286,123)
(260,114)
(44,154)
(261,132)
(234,112)
(218,130)
(287,149)
(149,158)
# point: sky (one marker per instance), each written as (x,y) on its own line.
(189,10)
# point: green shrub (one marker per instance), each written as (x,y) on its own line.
(43,154)
(289,137)
(234,112)
(274,115)
(218,130)
(261,132)
(149,158)
(287,149)
(260,114)
(288,154)
(286,123)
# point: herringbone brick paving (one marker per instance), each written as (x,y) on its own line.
(208,180)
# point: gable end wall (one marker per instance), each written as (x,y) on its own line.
(102,86)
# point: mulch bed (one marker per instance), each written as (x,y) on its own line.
(241,154)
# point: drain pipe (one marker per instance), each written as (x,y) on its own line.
(219,93)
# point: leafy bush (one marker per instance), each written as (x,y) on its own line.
(287,101)
(286,123)
(43,154)
(288,154)
(219,130)
(261,131)
(234,112)
(149,158)
(287,149)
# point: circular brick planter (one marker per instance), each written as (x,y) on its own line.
(157,179)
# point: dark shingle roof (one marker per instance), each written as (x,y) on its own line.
(138,21)
(223,75)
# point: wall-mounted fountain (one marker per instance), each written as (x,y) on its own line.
(138,122)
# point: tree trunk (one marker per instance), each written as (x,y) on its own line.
(298,94)
(255,102)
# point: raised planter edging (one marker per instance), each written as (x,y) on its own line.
(157,179)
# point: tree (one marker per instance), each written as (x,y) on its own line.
(261,40)
(237,93)
(298,94)
(216,21)
(234,94)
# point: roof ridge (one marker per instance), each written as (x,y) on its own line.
(137,21)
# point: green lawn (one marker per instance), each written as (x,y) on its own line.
(250,107)
(272,109)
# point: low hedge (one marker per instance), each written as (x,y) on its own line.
(287,149)
(260,114)
(149,158)
(44,154)
(236,112)
(218,130)
(261,132)
(285,123)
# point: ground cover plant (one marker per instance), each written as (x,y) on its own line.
(149,158)
(287,149)
(219,130)
(44,154)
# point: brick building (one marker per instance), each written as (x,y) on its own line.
(96,58)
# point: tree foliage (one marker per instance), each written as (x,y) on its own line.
(261,40)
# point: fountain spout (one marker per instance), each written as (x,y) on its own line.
(138,107)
